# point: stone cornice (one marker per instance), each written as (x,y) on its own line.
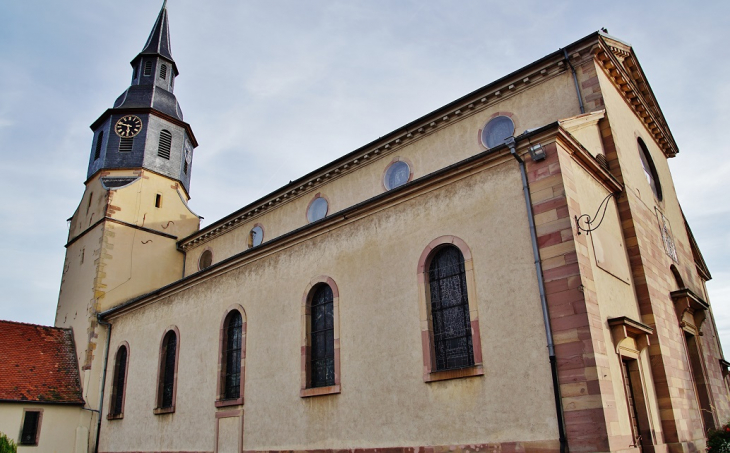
(619,63)
(536,73)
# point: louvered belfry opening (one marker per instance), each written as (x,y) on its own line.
(125,145)
(120,373)
(30,428)
(99,141)
(451,323)
(232,358)
(167,375)
(163,71)
(163,149)
(322,331)
(148,68)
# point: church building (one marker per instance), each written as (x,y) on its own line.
(511,272)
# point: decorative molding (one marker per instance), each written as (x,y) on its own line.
(622,68)
(472,104)
(625,327)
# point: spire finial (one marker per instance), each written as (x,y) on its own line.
(158,42)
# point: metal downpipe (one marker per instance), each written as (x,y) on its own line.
(511,143)
(575,80)
(103,379)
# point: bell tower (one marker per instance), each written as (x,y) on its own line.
(123,236)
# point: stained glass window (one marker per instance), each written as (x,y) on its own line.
(497,130)
(232,357)
(322,338)
(120,372)
(167,386)
(450,310)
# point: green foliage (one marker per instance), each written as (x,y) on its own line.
(718,440)
(7,445)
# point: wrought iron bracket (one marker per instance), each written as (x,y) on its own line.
(588,221)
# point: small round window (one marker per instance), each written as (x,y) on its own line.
(206,259)
(317,209)
(497,130)
(649,170)
(255,236)
(397,174)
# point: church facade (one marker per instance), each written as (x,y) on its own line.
(510,272)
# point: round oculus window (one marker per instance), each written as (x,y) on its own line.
(206,259)
(397,174)
(497,130)
(256,236)
(317,209)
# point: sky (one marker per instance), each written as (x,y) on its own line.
(274,89)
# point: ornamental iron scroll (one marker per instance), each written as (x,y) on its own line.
(584,222)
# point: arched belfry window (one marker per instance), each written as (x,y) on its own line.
(167,372)
(321,373)
(116,405)
(163,148)
(148,68)
(99,141)
(450,310)
(449,317)
(163,71)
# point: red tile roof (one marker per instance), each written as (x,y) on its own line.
(38,364)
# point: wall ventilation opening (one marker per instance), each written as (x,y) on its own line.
(158,200)
(125,145)
(148,68)
(163,71)
(163,149)
(99,140)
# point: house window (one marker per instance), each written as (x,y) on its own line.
(256,236)
(497,130)
(232,356)
(99,140)
(397,174)
(163,149)
(31,427)
(450,310)
(206,259)
(649,170)
(450,332)
(116,406)
(317,209)
(321,350)
(167,373)
(148,68)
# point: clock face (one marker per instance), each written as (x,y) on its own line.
(128,126)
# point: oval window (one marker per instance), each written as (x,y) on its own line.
(317,209)
(497,130)
(397,174)
(256,236)
(649,170)
(206,259)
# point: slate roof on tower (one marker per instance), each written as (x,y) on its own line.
(38,364)
(159,41)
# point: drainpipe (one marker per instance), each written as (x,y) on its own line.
(103,377)
(511,143)
(575,79)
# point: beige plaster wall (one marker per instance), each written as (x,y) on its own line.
(59,427)
(384,401)
(543,103)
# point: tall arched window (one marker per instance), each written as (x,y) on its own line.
(167,372)
(322,338)
(321,347)
(232,356)
(649,170)
(116,406)
(451,324)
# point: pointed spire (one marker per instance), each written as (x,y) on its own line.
(159,41)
